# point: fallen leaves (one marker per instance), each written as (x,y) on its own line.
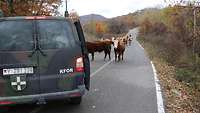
(180,98)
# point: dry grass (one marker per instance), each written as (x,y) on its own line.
(179,96)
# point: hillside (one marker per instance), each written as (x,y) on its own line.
(92,17)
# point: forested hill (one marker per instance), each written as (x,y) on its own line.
(91,17)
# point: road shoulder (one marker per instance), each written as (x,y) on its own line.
(179,97)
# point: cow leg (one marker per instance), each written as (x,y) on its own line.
(123,55)
(109,56)
(115,55)
(109,51)
(92,56)
(105,55)
(119,57)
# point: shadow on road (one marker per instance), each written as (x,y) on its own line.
(58,106)
(23,108)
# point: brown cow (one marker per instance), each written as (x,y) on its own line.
(107,49)
(119,48)
(99,46)
(125,40)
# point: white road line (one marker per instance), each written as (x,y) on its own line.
(102,67)
(158,92)
(140,45)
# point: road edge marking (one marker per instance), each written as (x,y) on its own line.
(140,45)
(102,67)
(160,105)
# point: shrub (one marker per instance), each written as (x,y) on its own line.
(184,74)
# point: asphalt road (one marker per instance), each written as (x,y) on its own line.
(116,87)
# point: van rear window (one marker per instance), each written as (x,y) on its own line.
(55,34)
(16,35)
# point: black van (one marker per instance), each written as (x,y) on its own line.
(41,59)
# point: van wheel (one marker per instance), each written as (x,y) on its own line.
(75,100)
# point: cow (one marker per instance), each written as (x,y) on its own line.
(107,47)
(119,48)
(125,40)
(130,39)
(99,46)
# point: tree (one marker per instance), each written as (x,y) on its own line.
(30,7)
(101,28)
(146,26)
(117,26)
(90,28)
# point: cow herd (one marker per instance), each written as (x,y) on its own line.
(119,44)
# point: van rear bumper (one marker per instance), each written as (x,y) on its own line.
(42,97)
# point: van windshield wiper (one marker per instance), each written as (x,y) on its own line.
(42,53)
(32,53)
(36,44)
(34,48)
(37,49)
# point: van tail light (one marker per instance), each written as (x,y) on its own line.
(75,94)
(30,18)
(41,17)
(6,102)
(79,64)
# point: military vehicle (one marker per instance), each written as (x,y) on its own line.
(42,58)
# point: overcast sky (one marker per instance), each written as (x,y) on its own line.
(111,8)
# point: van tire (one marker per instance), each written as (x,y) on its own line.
(75,100)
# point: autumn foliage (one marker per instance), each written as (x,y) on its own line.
(30,7)
(114,26)
(171,32)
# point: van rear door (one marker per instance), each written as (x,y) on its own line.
(18,67)
(60,50)
(85,54)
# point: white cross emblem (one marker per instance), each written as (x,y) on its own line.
(18,84)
